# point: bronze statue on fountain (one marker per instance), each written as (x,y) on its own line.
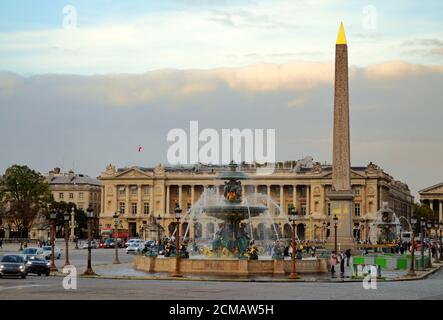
(232,237)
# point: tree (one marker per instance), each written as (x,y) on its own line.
(79,215)
(422,211)
(24,193)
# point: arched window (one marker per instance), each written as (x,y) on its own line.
(197,230)
(301,231)
(210,230)
(184,228)
(287,231)
(171,228)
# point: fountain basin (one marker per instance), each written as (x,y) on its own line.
(229,267)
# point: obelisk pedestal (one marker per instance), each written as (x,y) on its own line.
(341,196)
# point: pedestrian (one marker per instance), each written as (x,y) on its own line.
(433,250)
(348,256)
(1,243)
(343,256)
(333,262)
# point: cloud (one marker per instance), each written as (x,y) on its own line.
(397,69)
(86,122)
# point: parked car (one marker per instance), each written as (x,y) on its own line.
(33,251)
(37,264)
(110,243)
(94,244)
(136,247)
(158,250)
(150,243)
(132,241)
(47,252)
(13,265)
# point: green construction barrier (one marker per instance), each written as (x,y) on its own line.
(358,260)
(402,263)
(381,261)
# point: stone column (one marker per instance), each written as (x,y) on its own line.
(282,205)
(117,209)
(180,196)
(268,186)
(139,200)
(127,205)
(294,196)
(168,200)
(431,204)
(440,210)
(151,200)
(102,200)
(308,200)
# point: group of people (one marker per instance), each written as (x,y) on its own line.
(341,258)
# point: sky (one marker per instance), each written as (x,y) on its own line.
(85,83)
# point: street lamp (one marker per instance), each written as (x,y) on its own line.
(412,267)
(159,218)
(436,260)
(73,227)
(335,232)
(53,217)
(293,219)
(116,223)
(429,225)
(440,237)
(178,211)
(422,230)
(90,216)
(66,216)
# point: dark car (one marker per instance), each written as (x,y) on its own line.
(13,265)
(110,243)
(37,265)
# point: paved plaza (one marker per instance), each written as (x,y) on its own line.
(34,287)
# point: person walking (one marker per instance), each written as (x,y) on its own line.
(333,262)
(343,256)
(348,256)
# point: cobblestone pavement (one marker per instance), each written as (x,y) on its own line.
(34,287)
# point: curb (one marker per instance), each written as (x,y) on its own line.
(170,278)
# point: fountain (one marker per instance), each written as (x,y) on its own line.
(232,234)
(385,228)
(233,248)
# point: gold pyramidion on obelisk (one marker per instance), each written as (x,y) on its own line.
(341,196)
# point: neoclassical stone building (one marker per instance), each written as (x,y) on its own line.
(140,194)
(433,197)
(75,188)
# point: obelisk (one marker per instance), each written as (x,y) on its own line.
(341,195)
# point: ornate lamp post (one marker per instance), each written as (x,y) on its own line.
(72,224)
(440,237)
(66,216)
(293,219)
(436,260)
(159,218)
(53,217)
(422,230)
(335,232)
(178,212)
(90,215)
(116,223)
(429,225)
(412,267)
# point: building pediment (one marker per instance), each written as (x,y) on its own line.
(133,173)
(435,189)
(354,175)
